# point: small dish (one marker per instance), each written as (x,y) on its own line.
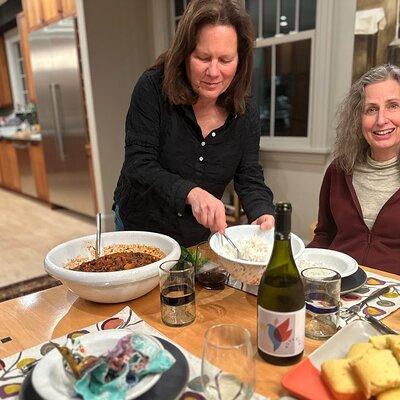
(304,380)
(52,382)
(343,264)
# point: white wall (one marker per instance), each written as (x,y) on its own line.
(117,45)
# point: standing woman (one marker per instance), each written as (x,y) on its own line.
(191,128)
(359,208)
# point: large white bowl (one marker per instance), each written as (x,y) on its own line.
(110,287)
(249,272)
(336,260)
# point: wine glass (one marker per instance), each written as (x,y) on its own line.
(227,367)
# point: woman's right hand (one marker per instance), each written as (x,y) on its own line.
(207,209)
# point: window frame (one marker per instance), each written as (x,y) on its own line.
(20,96)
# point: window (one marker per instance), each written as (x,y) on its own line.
(16,68)
(281,77)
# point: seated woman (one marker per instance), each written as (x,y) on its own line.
(359,205)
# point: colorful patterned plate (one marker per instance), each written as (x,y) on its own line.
(169,387)
(304,379)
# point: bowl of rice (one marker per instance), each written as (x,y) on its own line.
(340,262)
(128,282)
(255,248)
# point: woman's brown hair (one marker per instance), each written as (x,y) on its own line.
(198,14)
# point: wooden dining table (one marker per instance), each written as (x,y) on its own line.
(29,320)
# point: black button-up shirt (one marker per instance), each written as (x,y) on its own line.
(166,156)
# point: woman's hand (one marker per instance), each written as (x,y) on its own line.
(265,221)
(207,209)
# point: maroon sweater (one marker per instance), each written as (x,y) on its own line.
(341,225)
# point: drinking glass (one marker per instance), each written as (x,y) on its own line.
(209,272)
(322,295)
(177,293)
(227,367)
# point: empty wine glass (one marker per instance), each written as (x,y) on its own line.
(227,367)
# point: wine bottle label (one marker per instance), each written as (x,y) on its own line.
(281,334)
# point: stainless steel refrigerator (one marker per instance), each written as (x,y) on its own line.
(61,114)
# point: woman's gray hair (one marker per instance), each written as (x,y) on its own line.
(350,146)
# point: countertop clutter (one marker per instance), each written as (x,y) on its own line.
(22,164)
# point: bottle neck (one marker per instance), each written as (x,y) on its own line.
(282,236)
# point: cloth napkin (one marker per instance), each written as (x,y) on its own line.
(379,307)
(12,368)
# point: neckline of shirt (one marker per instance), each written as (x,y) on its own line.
(379,165)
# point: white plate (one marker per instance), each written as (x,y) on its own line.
(340,262)
(52,382)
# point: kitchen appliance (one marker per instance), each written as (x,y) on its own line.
(61,114)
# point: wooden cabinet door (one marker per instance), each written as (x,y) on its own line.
(52,10)
(38,167)
(9,166)
(68,7)
(24,42)
(33,13)
(5,87)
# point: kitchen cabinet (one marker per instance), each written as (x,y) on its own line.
(51,10)
(5,87)
(38,166)
(43,12)
(24,43)
(9,166)
(68,8)
(33,12)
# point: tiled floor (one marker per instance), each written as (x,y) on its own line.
(28,230)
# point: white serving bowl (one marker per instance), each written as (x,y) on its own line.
(249,272)
(110,287)
(339,262)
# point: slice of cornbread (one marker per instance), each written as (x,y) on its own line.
(358,349)
(380,342)
(392,394)
(338,376)
(394,345)
(377,371)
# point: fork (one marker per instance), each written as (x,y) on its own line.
(356,308)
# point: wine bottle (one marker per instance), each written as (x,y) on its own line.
(281,306)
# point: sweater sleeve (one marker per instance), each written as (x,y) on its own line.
(255,196)
(326,229)
(142,146)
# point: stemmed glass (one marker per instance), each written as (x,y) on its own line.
(227,367)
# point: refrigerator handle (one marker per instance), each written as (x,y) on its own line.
(57,121)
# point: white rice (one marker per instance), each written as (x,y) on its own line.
(303,264)
(253,249)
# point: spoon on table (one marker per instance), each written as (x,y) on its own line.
(98,236)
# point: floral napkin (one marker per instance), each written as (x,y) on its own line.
(379,307)
(13,369)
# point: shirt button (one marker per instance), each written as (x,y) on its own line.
(201,158)
(179,215)
(203,143)
(213,134)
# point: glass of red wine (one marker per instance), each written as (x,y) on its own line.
(209,272)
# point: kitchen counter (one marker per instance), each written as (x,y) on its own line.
(33,137)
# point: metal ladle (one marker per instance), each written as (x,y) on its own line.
(97,248)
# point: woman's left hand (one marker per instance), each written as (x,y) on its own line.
(265,221)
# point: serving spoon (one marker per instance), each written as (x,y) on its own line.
(97,249)
(230,241)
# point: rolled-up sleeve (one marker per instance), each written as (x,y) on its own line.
(255,196)
(142,146)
